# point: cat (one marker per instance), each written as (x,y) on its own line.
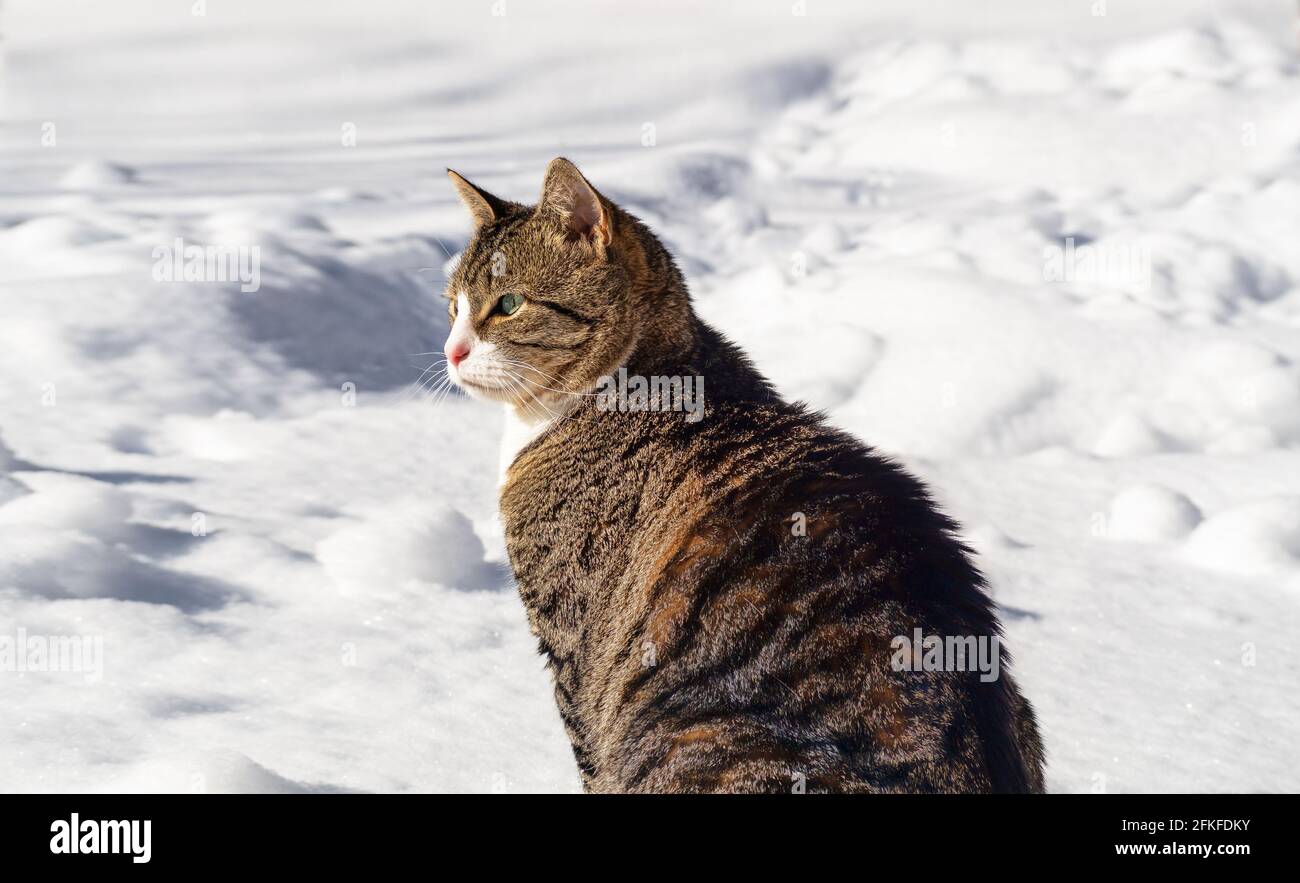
(720,600)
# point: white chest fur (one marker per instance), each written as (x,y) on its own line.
(520,430)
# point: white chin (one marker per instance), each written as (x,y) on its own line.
(486,393)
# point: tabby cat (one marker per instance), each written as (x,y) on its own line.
(720,600)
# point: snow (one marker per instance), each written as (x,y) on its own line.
(1151,513)
(1260,536)
(96,175)
(413,540)
(1043,257)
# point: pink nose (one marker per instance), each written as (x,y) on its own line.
(456,352)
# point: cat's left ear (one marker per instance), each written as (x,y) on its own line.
(584,213)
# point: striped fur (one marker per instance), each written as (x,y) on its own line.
(698,642)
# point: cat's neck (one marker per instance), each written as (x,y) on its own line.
(675,341)
(659,293)
(523,424)
(670,342)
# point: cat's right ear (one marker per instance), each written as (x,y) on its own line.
(483,207)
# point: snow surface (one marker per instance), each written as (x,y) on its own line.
(1046,258)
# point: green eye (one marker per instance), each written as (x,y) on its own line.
(510,303)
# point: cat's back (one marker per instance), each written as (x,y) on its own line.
(719,600)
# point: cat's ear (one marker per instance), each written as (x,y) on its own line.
(483,207)
(583,212)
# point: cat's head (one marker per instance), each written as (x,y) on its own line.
(541,301)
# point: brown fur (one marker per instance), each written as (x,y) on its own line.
(697,642)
